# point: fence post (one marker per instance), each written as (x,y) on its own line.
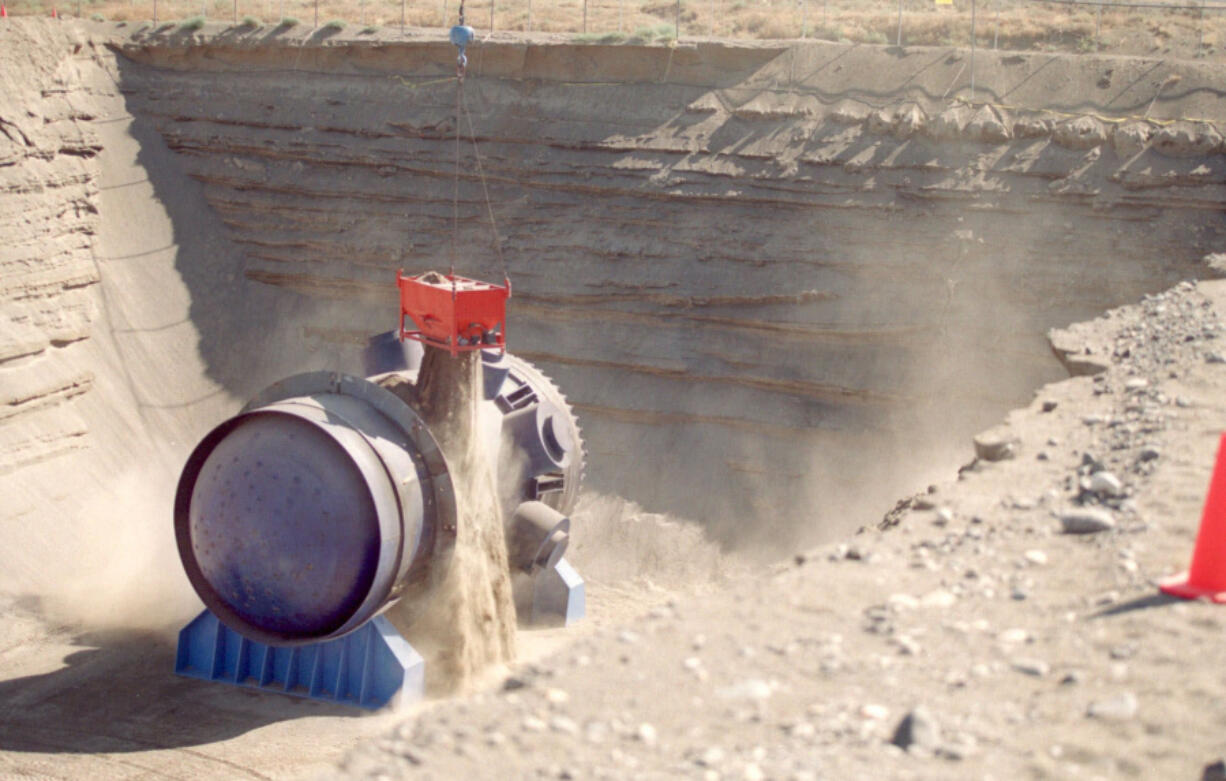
(402,2)
(972,51)
(529,15)
(677,25)
(898,40)
(584,16)
(804,18)
(996,34)
(236,11)
(1098,26)
(1200,32)
(491,16)
(155,13)
(825,14)
(317,14)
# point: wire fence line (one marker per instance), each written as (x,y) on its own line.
(1077,25)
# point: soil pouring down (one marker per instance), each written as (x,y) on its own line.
(899,398)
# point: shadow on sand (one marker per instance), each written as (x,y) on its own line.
(118,694)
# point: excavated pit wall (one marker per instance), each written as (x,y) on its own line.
(781,283)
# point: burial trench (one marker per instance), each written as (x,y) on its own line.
(781,284)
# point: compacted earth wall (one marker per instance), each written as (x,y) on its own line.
(780,283)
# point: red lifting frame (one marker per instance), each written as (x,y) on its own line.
(453,313)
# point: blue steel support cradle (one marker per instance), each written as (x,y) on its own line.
(366,668)
(558,597)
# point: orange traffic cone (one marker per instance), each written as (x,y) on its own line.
(4,12)
(54,15)
(1206,579)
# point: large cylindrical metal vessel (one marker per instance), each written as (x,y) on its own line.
(327,498)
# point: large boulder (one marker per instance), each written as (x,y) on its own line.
(988,126)
(1130,138)
(949,124)
(1080,133)
(1187,139)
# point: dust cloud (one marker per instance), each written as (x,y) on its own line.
(112,564)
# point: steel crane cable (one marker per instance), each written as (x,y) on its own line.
(462,108)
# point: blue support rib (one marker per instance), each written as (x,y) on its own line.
(366,668)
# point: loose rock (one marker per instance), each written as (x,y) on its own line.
(1214,771)
(996,444)
(1121,707)
(917,728)
(1089,520)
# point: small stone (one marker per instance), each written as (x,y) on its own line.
(996,444)
(1013,636)
(917,728)
(907,646)
(1121,707)
(533,724)
(943,516)
(938,599)
(564,725)
(1036,557)
(692,663)
(1150,453)
(751,689)
(556,696)
(1106,484)
(512,683)
(1036,667)
(1214,357)
(1072,678)
(1214,771)
(1048,406)
(753,772)
(875,712)
(902,602)
(1136,384)
(627,637)
(647,734)
(1089,520)
(712,757)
